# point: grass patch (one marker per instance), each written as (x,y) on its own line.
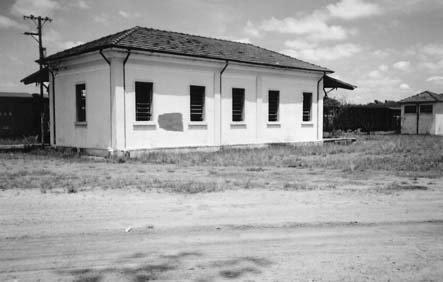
(387,152)
(397,187)
(25,140)
(227,169)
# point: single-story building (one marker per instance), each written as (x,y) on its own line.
(20,114)
(422,114)
(145,88)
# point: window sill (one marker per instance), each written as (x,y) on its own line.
(145,124)
(307,124)
(81,124)
(238,124)
(271,124)
(197,125)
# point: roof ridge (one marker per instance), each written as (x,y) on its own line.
(201,36)
(432,94)
(124,34)
(237,42)
(96,40)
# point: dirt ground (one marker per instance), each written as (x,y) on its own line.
(92,220)
(349,231)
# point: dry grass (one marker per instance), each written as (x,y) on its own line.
(391,153)
(276,167)
(25,140)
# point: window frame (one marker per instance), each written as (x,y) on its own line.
(409,112)
(309,120)
(151,106)
(243,109)
(426,112)
(77,113)
(277,113)
(203,110)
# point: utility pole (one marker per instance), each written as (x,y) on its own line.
(39,22)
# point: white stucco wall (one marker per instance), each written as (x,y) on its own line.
(427,124)
(438,115)
(96,132)
(408,122)
(171,78)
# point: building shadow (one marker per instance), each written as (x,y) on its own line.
(148,267)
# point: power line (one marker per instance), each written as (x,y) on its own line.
(39,22)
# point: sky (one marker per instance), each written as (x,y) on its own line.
(390,49)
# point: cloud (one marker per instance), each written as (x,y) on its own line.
(241,40)
(379,72)
(325,53)
(353,9)
(123,14)
(83,5)
(435,79)
(128,15)
(55,41)
(404,86)
(250,29)
(6,22)
(383,67)
(432,50)
(35,7)
(432,66)
(381,53)
(402,65)
(103,19)
(299,44)
(70,44)
(314,27)
(374,74)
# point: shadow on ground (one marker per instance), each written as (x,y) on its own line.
(183,265)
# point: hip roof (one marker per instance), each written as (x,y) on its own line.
(182,44)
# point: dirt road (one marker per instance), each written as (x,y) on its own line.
(410,251)
(247,235)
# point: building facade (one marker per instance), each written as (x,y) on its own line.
(191,91)
(422,114)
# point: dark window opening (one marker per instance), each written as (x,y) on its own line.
(80,97)
(426,109)
(238,104)
(143,101)
(273,105)
(411,109)
(307,106)
(197,103)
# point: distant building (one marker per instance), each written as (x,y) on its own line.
(422,114)
(19,114)
(144,88)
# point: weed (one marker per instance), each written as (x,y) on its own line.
(255,169)
(396,187)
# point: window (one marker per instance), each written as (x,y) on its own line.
(143,101)
(307,106)
(273,105)
(426,109)
(410,109)
(80,97)
(197,103)
(238,104)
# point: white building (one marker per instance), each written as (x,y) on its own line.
(146,89)
(422,114)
